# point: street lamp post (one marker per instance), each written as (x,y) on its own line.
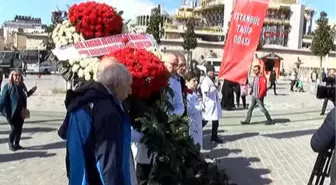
(298,63)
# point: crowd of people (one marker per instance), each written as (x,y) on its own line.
(99,152)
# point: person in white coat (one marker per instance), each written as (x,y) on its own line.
(212,108)
(194,108)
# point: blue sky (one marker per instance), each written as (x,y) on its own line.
(328,6)
(42,8)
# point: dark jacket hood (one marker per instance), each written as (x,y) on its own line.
(78,98)
(84,94)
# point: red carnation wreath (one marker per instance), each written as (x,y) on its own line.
(148,71)
(95,20)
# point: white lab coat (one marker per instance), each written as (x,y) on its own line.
(194,112)
(212,108)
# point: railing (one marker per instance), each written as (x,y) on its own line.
(171,26)
(196,28)
(276,21)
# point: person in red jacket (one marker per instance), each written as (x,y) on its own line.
(258,92)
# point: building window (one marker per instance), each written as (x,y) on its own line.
(273,34)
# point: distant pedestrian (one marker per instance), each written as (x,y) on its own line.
(244,93)
(13,105)
(237,92)
(293,78)
(258,92)
(1,77)
(272,80)
(24,68)
(314,76)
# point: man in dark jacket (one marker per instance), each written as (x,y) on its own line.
(272,80)
(98,131)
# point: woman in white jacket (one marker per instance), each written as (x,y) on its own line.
(194,108)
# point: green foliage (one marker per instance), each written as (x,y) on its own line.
(189,37)
(155,24)
(323,38)
(176,158)
(49,28)
(48,43)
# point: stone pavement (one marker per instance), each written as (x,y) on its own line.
(279,154)
(253,154)
(42,163)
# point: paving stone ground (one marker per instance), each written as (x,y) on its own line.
(253,154)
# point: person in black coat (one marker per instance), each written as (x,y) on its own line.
(272,80)
(236,90)
(228,95)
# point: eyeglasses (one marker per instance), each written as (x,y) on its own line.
(173,64)
(182,65)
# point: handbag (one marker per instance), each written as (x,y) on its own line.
(25,113)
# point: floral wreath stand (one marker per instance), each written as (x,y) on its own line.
(176,159)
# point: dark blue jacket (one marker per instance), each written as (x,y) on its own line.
(98,137)
(10,97)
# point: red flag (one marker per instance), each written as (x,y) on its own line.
(243,36)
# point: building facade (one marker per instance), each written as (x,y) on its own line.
(286,31)
(23,32)
(285,23)
(142,21)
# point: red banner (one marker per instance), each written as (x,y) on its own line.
(243,36)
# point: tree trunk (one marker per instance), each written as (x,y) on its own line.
(321,71)
(189,57)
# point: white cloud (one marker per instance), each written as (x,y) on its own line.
(131,8)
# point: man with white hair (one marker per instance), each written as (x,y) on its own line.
(98,130)
(172,61)
(143,167)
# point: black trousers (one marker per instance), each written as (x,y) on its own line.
(227,95)
(214,130)
(236,90)
(273,84)
(244,101)
(142,173)
(292,84)
(16,124)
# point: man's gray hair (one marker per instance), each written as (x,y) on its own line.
(113,74)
